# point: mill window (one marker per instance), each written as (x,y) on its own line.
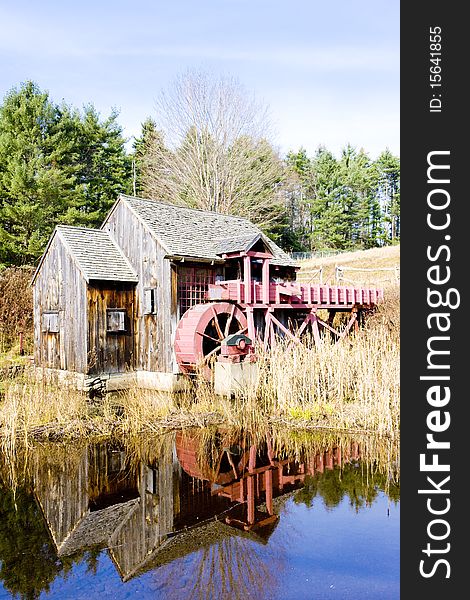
(193,283)
(50,321)
(150,301)
(116,320)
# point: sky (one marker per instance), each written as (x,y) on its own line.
(328,71)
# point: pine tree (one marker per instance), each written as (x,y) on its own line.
(359,201)
(36,181)
(56,166)
(387,172)
(329,226)
(103,168)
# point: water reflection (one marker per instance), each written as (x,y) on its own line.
(209,498)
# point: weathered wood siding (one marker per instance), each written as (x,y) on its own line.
(112,478)
(61,489)
(148,525)
(59,286)
(110,352)
(153,333)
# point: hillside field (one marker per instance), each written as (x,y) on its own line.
(372,261)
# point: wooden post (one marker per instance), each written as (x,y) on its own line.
(241,497)
(357,321)
(251,323)
(251,498)
(267,328)
(338,456)
(265,280)
(280,478)
(329,459)
(316,331)
(252,461)
(268,483)
(247,278)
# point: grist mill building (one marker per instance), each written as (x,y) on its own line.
(107,302)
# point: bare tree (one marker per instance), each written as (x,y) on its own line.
(216,155)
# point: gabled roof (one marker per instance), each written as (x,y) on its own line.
(192,233)
(95,253)
(96,527)
(184,542)
(241,243)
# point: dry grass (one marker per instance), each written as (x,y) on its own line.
(375,258)
(352,385)
(27,406)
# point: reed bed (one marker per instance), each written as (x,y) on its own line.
(351,385)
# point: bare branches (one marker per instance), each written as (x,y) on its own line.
(217,155)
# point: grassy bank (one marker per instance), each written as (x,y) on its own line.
(353,385)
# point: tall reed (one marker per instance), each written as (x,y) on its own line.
(351,384)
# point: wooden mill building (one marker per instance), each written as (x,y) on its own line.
(107,302)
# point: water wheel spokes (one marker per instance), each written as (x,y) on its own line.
(208,337)
(215,323)
(229,321)
(200,333)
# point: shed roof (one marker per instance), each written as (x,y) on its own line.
(198,233)
(96,254)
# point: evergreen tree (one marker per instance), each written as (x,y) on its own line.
(351,202)
(56,166)
(143,150)
(329,224)
(36,179)
(359,202)
(103,169)
(387,172)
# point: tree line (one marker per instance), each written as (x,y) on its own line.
(208,147)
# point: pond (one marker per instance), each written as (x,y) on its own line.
(207,513)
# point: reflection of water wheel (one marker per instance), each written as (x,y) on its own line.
(201,330)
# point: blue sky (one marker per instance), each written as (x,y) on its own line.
(329,71)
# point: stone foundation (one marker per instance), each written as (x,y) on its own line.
(230,378)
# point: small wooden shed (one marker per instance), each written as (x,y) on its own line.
(107,302)
(84,304)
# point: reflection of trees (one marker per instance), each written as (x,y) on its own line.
(27,555)
(349,481)
(234,568)
(28,558)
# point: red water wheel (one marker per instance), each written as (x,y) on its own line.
(200,332)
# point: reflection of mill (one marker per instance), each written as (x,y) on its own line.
(186,498)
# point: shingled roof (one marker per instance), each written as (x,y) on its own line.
(95,254)
(192,233)
(241,243)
